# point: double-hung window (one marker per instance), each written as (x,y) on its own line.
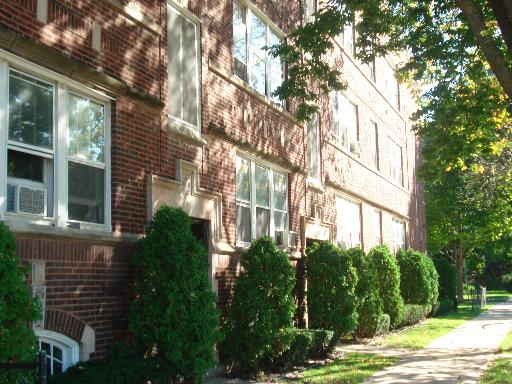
(56,149)
(348,223)
(252,62)
(261,201)
(398,235)
(183,67)
(313,137)
(345,122)
(395,162)
(391,85)
(349,38)
(377,226)
(374,144)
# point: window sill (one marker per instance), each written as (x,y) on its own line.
(315,185)
(364,164)
(184,131)
(248,89)
(21,225)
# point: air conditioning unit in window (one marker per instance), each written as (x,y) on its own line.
(282,238)
(293,240)
(26,198)
(343,244)
(356,148)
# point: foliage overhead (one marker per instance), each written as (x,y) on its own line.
(261,312)
(17,306)
(174,318)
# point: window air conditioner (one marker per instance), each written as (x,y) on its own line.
(293,240)
(26,198)
(355,148)
(282,238)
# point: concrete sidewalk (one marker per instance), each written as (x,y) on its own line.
(460,356)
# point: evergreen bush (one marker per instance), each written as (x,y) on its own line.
(369,302)
(447,277)
(414,313)
(331,296)
(262,308)
(383,324)
(433,279)
(174,318)
(17,306)
(415,284)
(389,283)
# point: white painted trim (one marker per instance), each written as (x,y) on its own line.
(262,162)
(42,73)
(4,124)
(254,9)
(185,11)
(61,160)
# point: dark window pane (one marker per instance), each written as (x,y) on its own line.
(86,188)
(57,353)
(243,223)
(57,367)
(30,111)
(262,222)
(47,348)
(24,166)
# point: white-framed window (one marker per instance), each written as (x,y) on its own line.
(183,67)
(261,201)
(377,226)
(395,162)
(313,137)
(391,84)
(374,144)
(349,38)
(251,61)
(55,147)
(348,223)
(345,115)
(62,352)
(309,8)
(398,235)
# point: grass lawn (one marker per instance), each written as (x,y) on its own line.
(506,344)
(419,336)
(354,368)
(498,373)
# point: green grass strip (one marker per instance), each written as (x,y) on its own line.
(354,368)
(500,372)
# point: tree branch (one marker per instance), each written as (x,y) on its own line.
(504,20)
(491,52)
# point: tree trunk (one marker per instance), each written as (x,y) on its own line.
(504,19)
(492,53)
(458,254)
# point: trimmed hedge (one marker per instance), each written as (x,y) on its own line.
(447,277)
(174,317)
(370,304)
(262,308)
(443,306)
(389,283)
(434,281)
(331,294)
(383,324)
(415,285)
(414,313)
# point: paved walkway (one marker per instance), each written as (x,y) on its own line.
(460,356)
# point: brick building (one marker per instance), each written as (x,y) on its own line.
(110,108)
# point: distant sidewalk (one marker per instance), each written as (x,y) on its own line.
(458,357)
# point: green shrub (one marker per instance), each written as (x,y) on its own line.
(414,313)
(369,303)
(262,308)
(331,294)
(433,279)
(383,324)
(323,342)
(415,282)
(389,283)
(447,278)
(299,350)
(506,280)
(443,306)
(174,317)
(17,306)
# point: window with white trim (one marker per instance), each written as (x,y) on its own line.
(348,223)
(391,84)
(183,68)
(398,235)
(395,162)
(345,115)
(374,144)
(309,8)
(62,352)
(261,201)
(252,62)
(56,147)
(349,38)
(377,226)
(313,137)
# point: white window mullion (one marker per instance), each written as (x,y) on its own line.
(267,65)
(248,16)
(4,123)
(61,158)
(272,227)
(108,170)
(253,200)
